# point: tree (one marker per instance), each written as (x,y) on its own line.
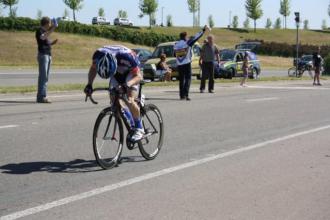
(285,10)
(39,14)
(101,12)
(193,6)
(10,4)
(74,5)
(122,14)
(306,24)
(324,24)
(66,13)
(235,22)
(211,21)
(278,23)
(169,21)
(268,23)
(246,23)
(148,7)
(254,11)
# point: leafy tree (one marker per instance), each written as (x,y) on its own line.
(268,23)
(254,11)
(66,13)
(306,24)
(74,5)
(39,14)
(285,10)
(278,23)
(10,4)
(169,21)
(246,23)
(101,12)
(324,25)
(193,6)
(148,7)
(211,21)
(122,14)
(235,22)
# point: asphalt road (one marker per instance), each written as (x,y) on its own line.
(260,152)
(30,77)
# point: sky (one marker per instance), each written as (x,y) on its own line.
(313,10)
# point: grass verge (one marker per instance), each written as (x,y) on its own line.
(80,87)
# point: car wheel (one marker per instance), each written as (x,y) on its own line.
(231,74)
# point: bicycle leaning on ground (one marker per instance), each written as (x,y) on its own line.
(108,134)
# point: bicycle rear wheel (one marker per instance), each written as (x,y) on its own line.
(108,137)
(153,125)
(292,72)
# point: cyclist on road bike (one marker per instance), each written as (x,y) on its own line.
(121,65)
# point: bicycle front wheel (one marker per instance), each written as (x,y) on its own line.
(108,137)
(153,125)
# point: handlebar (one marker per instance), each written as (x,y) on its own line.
(143,82)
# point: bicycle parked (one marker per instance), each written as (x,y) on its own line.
(305,63)
(108,134)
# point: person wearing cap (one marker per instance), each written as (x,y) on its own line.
(209,53)
(183,54)
(44,56)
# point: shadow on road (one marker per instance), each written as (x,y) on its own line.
(75,166)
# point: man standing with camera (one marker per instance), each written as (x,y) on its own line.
(44,56)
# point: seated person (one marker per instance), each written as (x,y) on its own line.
(163,70)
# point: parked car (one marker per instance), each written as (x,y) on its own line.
(63,19)
(143,55)
(122,21)
(149,71)
(100,21)
(231,62)
(306,61)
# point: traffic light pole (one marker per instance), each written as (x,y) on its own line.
(297,19)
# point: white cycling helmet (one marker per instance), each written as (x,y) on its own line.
(106,66)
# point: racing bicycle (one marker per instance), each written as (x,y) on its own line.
(108,133)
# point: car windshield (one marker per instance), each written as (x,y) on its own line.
(167,50)
(227,55)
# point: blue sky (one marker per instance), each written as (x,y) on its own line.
(313,10)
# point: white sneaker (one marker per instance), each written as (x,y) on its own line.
(138,135)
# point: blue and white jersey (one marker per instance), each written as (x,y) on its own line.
(182,49)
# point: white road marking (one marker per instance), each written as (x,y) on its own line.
(50,97)
(9,126)
(149,176)
(262,99)
(289,87)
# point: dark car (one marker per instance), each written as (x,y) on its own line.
(231,62)
(143,55)
(305,62)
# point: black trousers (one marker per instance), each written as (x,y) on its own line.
(185,79)
(207,73)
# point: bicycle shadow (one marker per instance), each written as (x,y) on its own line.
(75,166)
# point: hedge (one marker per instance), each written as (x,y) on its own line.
(132,35)
(288,50)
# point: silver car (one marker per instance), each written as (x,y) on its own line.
(122,21)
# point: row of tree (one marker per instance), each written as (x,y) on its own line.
(149,7)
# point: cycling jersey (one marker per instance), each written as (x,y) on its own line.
(127,61)
(182,49)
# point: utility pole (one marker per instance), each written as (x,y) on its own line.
(199,13)
(297,19)
(162,17)
(229,25)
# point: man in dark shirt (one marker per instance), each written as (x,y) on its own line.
(44,56)
(209,54)
(317,62)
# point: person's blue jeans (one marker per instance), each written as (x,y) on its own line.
(44,61)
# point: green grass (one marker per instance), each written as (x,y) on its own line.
(80,87)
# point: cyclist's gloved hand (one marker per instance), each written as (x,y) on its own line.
(88,89)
